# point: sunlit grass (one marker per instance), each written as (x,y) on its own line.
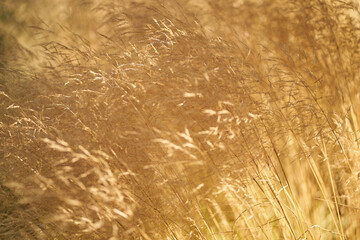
(179,120)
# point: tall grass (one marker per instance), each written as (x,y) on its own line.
(179,119)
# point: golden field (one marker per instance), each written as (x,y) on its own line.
(179,119)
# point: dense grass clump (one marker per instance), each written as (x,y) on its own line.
(179,119)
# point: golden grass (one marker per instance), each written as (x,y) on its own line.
(179,119)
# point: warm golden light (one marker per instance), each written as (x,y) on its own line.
(177,119)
